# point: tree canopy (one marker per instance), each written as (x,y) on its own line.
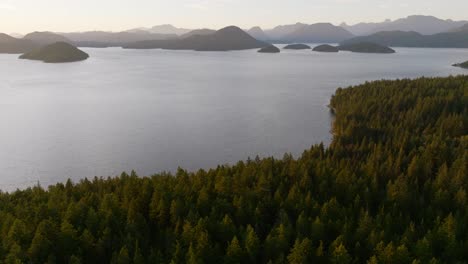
(390,188)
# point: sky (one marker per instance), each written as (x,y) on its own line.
(23,16)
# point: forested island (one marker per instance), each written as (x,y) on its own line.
(297,47)
(366,47)
(391,188)
(462,65)
(326,48)
(56,53)
(269,49)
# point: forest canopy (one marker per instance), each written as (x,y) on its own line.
(391,188)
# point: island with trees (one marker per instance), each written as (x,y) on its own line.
(58,52)
(297,47)
(366,47)
(270,49)
(326,48)
(390,188)
(463,65)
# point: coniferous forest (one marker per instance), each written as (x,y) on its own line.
(391,188)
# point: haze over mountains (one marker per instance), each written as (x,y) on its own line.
(163,29)
(113,39)
(229,38)
(425,25)
(457,38)
(413,31)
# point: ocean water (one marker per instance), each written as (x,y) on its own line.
(155,110)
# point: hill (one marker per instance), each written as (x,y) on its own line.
(46,38)
(366,47)
(229,38)
(202,32)
(452,39)
(463,28)
(281,31)
(56,53)
(391,188)
(425,25)
(318,33)
(11,45)
(112,39)
(258,33)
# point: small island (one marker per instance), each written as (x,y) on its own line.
(463,65)
(269,49)
(58,52)
(366,47)
(297,47)
(326,48)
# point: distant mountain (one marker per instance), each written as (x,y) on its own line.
(280,31)
(318,33)
(229,38)
(453,39)
(462,28)
(169,29)
(201,32)
(425,25)
(112,39)
(166,29)
(9,44)
(258,33)
(16,35)
(362,29)
(56,53)
(46,38)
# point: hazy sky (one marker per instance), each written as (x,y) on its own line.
(23,16)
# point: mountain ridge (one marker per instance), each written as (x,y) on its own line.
(225,39)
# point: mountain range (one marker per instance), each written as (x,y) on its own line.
(113,39)
(425,25)
(229,38)
(457,38)
(165,29)
(316,33)
(412,31)
(11,45)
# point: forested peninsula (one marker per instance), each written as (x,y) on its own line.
(391,188)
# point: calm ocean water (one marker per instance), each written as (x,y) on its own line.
(154,110)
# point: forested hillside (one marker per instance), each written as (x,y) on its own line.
(391,188)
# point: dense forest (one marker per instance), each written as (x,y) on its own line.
(391,188)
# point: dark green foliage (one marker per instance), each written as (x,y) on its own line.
(391,188)
(462,65)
